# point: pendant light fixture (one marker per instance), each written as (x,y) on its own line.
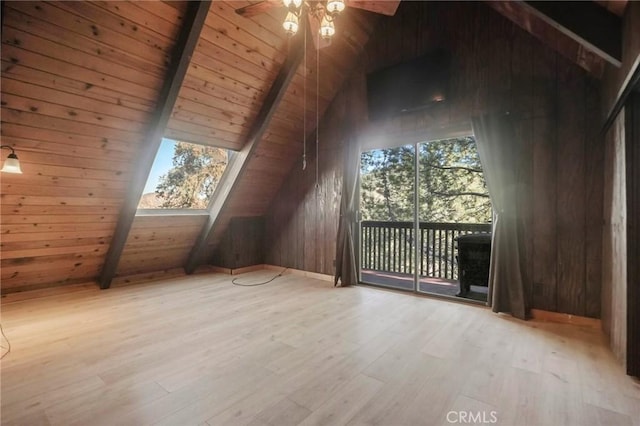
(290,24)
(292,20)
(335,6)
(11,164)
(292,3)
(327,29)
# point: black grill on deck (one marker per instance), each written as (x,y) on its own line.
(474,252)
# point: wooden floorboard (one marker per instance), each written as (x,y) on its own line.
(199,350)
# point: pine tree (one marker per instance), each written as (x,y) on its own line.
(191,181)
(451,185)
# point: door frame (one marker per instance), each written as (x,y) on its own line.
(395,140)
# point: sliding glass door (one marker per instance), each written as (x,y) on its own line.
(416,201)
(387,211)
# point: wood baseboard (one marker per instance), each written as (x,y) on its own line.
(285,271)
(246,269)
(221,270)
(154,276)
(147,277)
(557,317)
(237,271)
(314,275)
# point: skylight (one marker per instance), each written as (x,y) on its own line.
(184,176)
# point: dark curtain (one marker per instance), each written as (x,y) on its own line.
(500,154)
(346,268)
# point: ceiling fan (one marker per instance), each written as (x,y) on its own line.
(320,14)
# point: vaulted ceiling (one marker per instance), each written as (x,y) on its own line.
(82,86)
(81,83)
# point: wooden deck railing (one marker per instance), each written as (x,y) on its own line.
(387,247)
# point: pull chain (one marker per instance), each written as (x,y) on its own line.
(317,112)
(304,108)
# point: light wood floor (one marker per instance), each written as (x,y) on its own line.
(198,350)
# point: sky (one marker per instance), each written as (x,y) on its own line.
(161,164)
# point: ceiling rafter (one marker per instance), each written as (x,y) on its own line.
(564,41)
(586,23)
(616,7)
(187,40)
(239,161)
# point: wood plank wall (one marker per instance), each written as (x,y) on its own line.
(281,146)
(615,294)
(159,243)
(614,282)
(242,244)
(301,224)
(79,83)
(621,260)
(497,67)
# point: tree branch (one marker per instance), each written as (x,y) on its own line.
(469,169)
(456,194)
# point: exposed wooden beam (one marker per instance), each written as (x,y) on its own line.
(631,83)
(387,7)
(187,39)
(520,14)
(616,7)
(586,23)
(258,8)
(239,161)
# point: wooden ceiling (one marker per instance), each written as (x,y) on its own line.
(232,68)
(281,145)
(80,83)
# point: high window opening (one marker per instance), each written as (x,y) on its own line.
(184,176)
(415,201)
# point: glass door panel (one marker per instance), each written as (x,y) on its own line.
(452,201)
(387,211)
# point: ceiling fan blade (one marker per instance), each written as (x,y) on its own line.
(258,8)
(385,7)
(314,27)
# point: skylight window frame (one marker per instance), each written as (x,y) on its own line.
(231,154)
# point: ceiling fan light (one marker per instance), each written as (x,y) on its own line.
(294,3)
(335,6)
(327,29)
(290,23)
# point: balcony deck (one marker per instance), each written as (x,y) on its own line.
(388,258)
(429,285)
